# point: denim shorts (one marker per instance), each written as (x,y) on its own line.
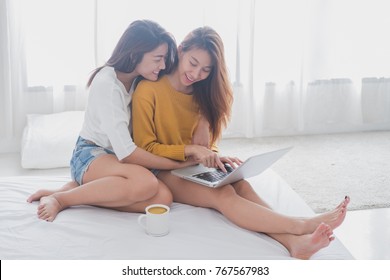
(155,171)
(83,155)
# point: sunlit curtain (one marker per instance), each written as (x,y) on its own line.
(313,66)
(12,75)
(51,47)
(47,49)
(297,67)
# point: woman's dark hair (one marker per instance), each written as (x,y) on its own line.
(214,95)
(142,36)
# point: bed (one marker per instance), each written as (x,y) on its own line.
(93,233)
(87,232)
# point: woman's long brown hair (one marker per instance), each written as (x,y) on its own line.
(214,95)
(140,37)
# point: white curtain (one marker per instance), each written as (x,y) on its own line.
(45,55)
(297,67)
(312,66)
(12,75)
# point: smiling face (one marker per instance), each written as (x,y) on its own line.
(194,65)
(153,62)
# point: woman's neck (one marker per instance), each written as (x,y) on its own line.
(174,79)
(127,79)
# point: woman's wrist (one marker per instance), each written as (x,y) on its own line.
(188,150)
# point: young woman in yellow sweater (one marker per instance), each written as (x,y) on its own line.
(165,115)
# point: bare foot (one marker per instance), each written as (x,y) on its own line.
(41,193)
(335,217)
(307,245)
(48,208)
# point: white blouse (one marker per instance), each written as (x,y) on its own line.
(108,113)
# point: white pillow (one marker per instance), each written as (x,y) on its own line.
(48,140)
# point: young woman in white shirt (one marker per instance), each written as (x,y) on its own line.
(107,168)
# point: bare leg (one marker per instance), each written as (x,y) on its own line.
(43,192)
(109,184)
(163,196)
(299,246)
(301,236)
(257,215)
(333,218)
(51,205)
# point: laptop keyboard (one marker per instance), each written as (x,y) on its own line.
(214,176)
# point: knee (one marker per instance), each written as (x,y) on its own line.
(225,193)
(164,195)
(223,198)
(144,187)
(243,187)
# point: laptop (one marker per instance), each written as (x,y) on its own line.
(215,178)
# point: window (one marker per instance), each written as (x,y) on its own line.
(59,41)
(66,40)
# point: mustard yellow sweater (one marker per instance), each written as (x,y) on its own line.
(163,119)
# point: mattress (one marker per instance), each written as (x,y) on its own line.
(87,232)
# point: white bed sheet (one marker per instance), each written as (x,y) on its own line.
(87,232)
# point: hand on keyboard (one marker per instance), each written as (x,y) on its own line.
(212,176)
(228,168)
(231,163)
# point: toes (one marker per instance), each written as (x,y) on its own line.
(347,199)
(33,197)
(42,215)
(329,231)
(325,229)
(47,217)
(322,228)
(344,203)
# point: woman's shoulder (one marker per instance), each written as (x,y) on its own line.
(149,83)
(106,71)
(151,86)
(105,75)
(105,84)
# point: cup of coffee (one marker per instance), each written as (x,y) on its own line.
(155,220)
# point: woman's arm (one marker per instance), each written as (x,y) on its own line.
(201,134)
(203,155)
(149,160)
